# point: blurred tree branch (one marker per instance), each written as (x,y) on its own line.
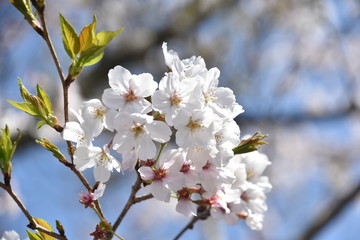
(330,214)
(181,24)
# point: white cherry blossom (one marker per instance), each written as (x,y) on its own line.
(99,158)
(195,129)
(75,132)
(128,91)
(93,113)
(137,132)
(175,94)
(164,178)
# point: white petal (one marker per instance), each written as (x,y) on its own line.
(175,181)
(113,99)
(183,138)
(99,191)
(146,173)
(115,164)
(83,163)
(159,191)
(159,131)
(101,174)
(186,208)
(129,160)
(145,148)
(144,85)
(169,55)
(119,78)
(123,143)
(110,119)
(73,132)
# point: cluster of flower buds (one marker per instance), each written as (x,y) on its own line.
(186,110)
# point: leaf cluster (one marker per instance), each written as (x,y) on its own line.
(40,235)
(7,149)
(38,105)
(87,48)
(250,144)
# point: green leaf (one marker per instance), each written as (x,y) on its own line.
(44,224)
(38,106)
(7,147)
(33,236)
(40,124)
(60,227)
(23,6)
(51,148)
(105,37)
(250,144)
(70,38)
(45,99)
(26,107)
(94,58)
(15,143)
(91,56)
(88,37)
(23,91)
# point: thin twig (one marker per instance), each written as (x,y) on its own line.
(50,45)
(330,214)
(131,201)
(33,225)
(188,226)
(143,198)
(66,85)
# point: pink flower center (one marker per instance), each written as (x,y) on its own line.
(207,165)
(138,129)
(87,199)
(160,173)
(184,193)
(175,99)
(130,96)
(185,168)
(194,125)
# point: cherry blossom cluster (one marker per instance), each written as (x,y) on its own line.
(179,135)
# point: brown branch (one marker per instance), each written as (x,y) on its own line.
(33,225)
(182,22)
(50,45)
(131,201)
(188,226)
(330,214)
(143,198)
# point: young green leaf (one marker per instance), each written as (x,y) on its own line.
(70,38)
(96,57)
(52,148)
(33,236)
(25,107)
(88,37)
(45,98)
(91,56)
(23,6)
(38,106)
(40,124)
(105,37)
(250,144)
(44,224)
(7,149)
(23,91)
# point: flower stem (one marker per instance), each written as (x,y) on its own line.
(162,146)
(188,226)
(33,225)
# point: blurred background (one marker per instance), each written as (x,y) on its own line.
(294,66)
